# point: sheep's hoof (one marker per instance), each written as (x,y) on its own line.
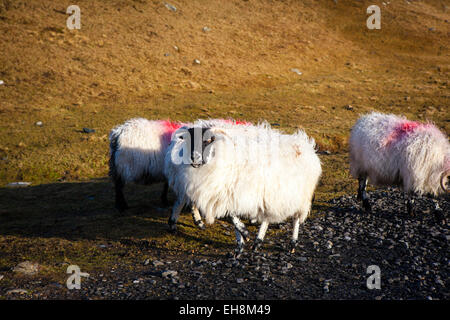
(238,251)
(292,246)
(366,205)
(257,245)
(172,226)
(246,236)
(200,224)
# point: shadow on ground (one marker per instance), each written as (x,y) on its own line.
(75,211)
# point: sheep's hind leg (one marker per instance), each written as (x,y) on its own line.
(177,207)
(240,226)
(121,203)
(197,217)
(242,235)
(362,194)
(240,243)
(261,234)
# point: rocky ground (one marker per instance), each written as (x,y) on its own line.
(330,263)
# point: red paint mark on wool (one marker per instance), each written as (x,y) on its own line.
(403,129)
(171,126)
(235,121)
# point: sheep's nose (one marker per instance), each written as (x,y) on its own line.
(196,159)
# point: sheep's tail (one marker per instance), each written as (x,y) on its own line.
(113,145)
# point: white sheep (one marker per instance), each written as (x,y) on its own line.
(137,150)
(253,172)
(391,150)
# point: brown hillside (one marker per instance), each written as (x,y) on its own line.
(124,63)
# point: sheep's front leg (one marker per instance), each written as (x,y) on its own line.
(295,228)
(362,194)
(261,234)
(177,207)
(197,217)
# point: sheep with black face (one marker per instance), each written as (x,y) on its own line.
(253,172)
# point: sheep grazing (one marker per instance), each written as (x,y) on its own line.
(390,150)
(253,172)
(137,150)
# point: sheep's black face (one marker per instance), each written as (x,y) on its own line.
(200,149)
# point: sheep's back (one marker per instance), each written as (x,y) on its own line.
(140,148)
(260,181)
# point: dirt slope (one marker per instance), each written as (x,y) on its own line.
(119,53)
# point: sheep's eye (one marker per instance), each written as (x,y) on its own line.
(210,140)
